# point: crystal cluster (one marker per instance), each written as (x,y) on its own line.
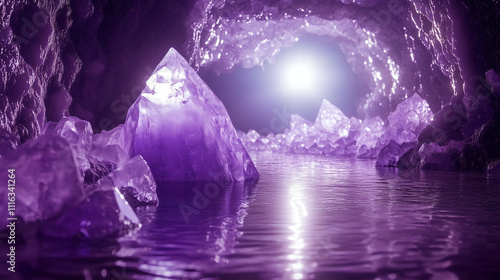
(182,129)
(78,183)
(333,133)
(84,184)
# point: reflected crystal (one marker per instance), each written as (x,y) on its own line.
(104,213)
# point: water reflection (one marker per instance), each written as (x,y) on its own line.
(298,215)
(309,217)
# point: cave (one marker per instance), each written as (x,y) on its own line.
(238,139)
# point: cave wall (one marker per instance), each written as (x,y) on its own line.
(80,57)
(90,58)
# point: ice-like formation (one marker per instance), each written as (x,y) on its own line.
(71,179)
(104,213)
(182,129)
(135,182)
(78,133)
(48,178)
(334,134)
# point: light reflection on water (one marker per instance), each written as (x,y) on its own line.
(309,217)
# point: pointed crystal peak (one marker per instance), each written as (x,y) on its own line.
(182,129)
(171,58)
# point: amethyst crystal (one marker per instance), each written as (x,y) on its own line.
(409,119)
(332,121)
(103,213)
(390,154)
(182,129)
(78,133)
(334,134)
(69,178)
(135,182)
(48,178)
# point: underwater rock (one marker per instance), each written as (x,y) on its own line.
(104,213)
(182,129)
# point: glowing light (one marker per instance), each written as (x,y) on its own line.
(299,75)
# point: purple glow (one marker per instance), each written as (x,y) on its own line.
(372,131)
(182,129)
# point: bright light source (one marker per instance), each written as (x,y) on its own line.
(299,75)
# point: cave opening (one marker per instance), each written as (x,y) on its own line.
(295,82)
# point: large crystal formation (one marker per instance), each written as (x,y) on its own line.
(182,129)
(47,179)
(103,213)
(333,133)
(78,183)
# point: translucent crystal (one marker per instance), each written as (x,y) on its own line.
(335,134)
(105,138)
(409,119)
(389,155)
(79,135)
(135,182)
(331,120)
(104,213)
(371,132)
(47,178)
(182,129)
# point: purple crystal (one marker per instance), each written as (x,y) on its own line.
(182,129)
(332,121)
(390,154)
(48,178)
(409,119)
(79,135)
(103,213)
(334,134)
(135,181)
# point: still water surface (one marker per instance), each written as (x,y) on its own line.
(309,217)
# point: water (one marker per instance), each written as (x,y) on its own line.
(309,217)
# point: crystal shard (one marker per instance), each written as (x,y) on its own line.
(182,129)
(135,182)
(104,213)
(47,179)
(409,119)
(79,135)
(331,119)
